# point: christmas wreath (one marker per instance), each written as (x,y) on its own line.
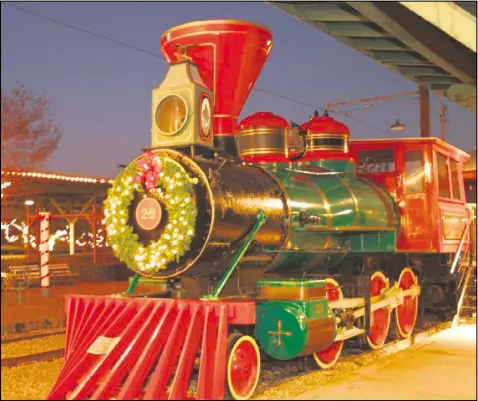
(162,178)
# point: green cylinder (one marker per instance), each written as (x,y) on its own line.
(332,214)
(281,330)
(286,330)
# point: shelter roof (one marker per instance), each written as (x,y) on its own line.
(431,43)
(22,184)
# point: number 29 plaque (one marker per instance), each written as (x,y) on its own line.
(148,213)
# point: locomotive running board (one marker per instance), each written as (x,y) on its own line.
(142,348)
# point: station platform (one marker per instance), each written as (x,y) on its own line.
(443,367)
(28,309)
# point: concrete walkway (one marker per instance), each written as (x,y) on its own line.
(441,368)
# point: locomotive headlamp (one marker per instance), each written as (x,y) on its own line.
(171,115)
(182,109)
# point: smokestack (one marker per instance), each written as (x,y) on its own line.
(230,55)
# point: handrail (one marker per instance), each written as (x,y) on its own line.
(462,297)
(462,241)
(471,265)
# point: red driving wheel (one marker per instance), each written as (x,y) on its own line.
(243,367)
(380,319)
(328,357)
(406,313)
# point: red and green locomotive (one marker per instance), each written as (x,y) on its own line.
(257,237)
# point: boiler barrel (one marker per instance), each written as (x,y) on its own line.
(313,216)
(228,197)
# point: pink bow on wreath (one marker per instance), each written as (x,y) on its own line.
(149,169)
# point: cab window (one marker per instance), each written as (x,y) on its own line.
(455,182)
(376,161)
(414,172)
(443,183)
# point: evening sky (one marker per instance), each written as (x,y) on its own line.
(101,91)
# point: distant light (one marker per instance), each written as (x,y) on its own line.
(29,202)
(398,126)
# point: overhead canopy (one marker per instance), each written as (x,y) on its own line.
(431,43)
(69,193)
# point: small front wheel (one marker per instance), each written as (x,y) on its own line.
(243,367)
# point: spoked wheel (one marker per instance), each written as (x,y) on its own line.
(243,367)
(328,357)
(379,319)
(406,314)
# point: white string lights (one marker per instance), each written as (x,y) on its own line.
(61,177)
(62,235)
(5,185)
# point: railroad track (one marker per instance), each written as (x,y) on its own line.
(32,337)
(27,359)
(32,358)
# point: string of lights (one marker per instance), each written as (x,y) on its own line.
(53,176)
(157,55)
(5,185)
(14,231)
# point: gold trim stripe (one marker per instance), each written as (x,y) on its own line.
(262,131)
(313,148)
(261,151)
(349,228)
(326,135)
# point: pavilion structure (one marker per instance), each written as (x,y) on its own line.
(76,207)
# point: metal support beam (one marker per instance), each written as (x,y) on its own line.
(324,12)
(399,57)
(356,29)
(57,205)
(448,17)
(392,27)
(86,206)
(442,109)
(437,80)
(417,71)
(373,44)
(420,36)
(424,111)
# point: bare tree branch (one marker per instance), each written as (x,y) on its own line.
(29,136)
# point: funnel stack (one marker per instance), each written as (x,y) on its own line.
(230,55)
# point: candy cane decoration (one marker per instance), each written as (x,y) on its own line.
(45,218)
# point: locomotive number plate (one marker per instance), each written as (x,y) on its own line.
(148,214)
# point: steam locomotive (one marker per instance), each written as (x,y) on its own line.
(259,236)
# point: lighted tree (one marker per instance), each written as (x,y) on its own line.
(29,136)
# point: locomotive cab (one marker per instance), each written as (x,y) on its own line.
(425,177)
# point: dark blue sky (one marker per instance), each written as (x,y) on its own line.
(101,91)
